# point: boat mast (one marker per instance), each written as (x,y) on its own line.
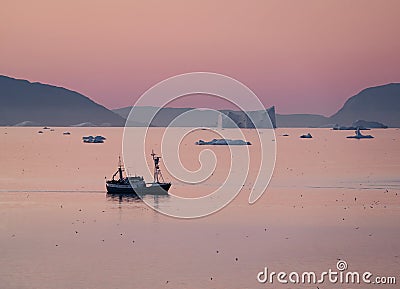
(120,168)
(157,171)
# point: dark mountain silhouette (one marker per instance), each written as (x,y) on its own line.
(23,102)
(379,103)
(375,104)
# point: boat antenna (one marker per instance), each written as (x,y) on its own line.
(120,168)
(157,171)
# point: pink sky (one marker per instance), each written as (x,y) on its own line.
(301,56)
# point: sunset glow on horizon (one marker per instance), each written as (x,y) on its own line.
(301,56)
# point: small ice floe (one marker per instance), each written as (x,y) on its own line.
(28,123)
(342,127)
(92,139)
(84,124)
(223,142)
(306,135)
(359,135)
(66,133)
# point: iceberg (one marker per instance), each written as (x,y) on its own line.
(359,135)
(91,139)
(306,135)
(223,142)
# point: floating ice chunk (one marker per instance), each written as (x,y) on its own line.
(306,135)
(223,142)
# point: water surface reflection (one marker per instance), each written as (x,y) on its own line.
(132,198)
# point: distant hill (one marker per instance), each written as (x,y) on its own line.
(26,103)
(206,118)
(166,115)
(302,120)
(379,103)
(375,104)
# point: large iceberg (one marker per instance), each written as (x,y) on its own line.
(359,135)
(223,141)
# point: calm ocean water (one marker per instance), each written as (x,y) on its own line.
(329,198)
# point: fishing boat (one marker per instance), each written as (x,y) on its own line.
(136,184)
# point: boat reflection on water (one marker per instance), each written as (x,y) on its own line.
(128,198)
(133,198)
